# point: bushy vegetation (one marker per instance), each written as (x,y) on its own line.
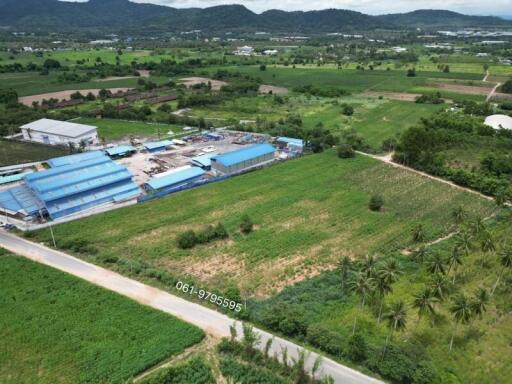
(209,233)
(194,371)
(58,328)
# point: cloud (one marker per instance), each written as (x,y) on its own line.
(475,7)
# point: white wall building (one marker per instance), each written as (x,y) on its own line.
(244,51)
(56,132)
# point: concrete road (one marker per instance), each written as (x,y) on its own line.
(207,319)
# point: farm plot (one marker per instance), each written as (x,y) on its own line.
(56,328)
(307,213)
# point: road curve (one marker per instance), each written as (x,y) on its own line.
(207,319)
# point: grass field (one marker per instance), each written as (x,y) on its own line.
(308,212)
(114,129)
(15,152)
(56,328)
(375,120)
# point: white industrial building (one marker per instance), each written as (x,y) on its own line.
(54,132)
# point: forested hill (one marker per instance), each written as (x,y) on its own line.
(125,16)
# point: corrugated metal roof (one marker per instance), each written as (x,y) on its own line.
(203,160)
(157,144)
(13,178)
(56,127)
(244,154)
(291,140)
(176,178)
(20,199)
(73,159)
(120,150)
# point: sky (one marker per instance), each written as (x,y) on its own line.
(373,7)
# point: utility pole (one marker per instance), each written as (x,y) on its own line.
(51,229)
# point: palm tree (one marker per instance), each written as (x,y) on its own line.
(344,268)
(362,285)
(418,234)
(369,265)
(440,286)
(461,311)
(397,320)
(436,264)
(424,302)
(487,246)
(458,215)
(454,260)
(506,263)
(463,242)
(420,254)
(477,226)
(387,274)
(479,302)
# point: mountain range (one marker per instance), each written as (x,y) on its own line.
(123,16)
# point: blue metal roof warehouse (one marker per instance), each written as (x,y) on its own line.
(203,161)
(121,150)
(173,180)
(243,158)
(157,146)
(290,141)
(73,159)
(77,186)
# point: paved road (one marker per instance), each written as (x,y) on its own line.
(209,320)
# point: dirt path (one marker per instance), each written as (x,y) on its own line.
(388,159)
(194,80)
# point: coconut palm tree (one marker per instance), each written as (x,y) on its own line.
(461,312)
(396,317)
(387,274)
(369,265)
(344,266)
(440,286)
(418,234)
(458,215)
(463,242)
(424,302)
(506,263)
(478,225)
(479,302)
(421,254)
(487,246)
(455,259)
(436,264)
(362,285)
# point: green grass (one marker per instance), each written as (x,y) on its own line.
(15,152)
(56,328)
(308,212)
(114,129)
(375,120)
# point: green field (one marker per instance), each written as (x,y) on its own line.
(375,120)
(308,212)
(114,129)
(56,328)
(15,152)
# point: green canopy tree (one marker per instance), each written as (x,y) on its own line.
(461,312)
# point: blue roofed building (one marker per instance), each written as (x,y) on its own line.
(73,159)
(203,161)
(157,146)
(296,145)
(174,179)
(244,158)
(73,184)
(120,151)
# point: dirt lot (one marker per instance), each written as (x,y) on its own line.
(190,81)
(63,95)
(275,90)
(142,73)
(467,89)
(393,95)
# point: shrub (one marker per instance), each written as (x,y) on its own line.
(411,72)
(507,87)
(221,232)
(345,151)
(357,349)
(246,225)
(186,240)
(376,203)
(347,110)
(328,341)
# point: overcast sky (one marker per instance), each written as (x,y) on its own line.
(475,7)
